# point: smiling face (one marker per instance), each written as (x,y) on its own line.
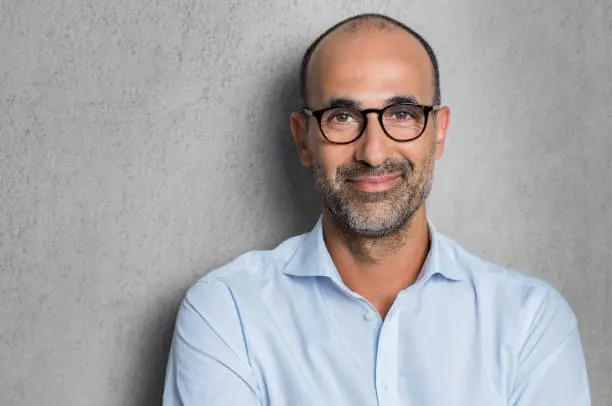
(373,186)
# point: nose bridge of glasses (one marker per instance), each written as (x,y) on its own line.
(374,137)
(376,112)
(373,147)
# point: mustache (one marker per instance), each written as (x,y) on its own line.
(388,167)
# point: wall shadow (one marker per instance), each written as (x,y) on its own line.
(295,204)
(153,356)
(296,201)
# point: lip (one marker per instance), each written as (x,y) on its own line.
(375,183)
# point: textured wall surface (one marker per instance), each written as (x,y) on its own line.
(144,143)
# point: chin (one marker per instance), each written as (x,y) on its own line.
(373,223)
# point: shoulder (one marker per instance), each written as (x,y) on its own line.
(211,311)
(511,292)
(248,272)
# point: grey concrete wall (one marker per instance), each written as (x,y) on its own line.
(144,143)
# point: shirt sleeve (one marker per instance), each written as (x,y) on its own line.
(551,366)
(208,363)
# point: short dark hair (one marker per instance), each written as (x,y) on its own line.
(362,18)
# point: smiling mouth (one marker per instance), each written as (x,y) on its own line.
(379,183)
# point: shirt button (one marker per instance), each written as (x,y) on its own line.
(369,316)
(385,384)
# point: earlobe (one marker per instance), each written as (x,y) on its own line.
(300,137)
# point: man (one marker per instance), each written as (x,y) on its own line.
(373,306)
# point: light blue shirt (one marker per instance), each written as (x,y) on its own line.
(280,328)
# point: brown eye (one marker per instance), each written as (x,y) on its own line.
(340,117)
(401,115)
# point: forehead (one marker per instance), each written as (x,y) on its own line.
(369,63)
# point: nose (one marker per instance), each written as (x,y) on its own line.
(372,147)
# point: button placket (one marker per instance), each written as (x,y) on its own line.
(387,359)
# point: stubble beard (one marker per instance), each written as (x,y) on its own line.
(375,214)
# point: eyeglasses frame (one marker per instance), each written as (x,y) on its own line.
(318,114)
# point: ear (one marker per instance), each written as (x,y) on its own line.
(299,132)
(442,122)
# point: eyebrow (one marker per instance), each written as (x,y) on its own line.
(402,99)
(355,104)
(342,102)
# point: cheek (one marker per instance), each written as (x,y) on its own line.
(330,157)
(418,151)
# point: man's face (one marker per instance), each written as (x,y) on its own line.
(373,186)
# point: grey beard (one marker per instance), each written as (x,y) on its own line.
(348,207)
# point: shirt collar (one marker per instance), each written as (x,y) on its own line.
(440,259)
(312,257)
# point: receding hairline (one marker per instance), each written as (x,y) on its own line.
(358,23)
(367,21)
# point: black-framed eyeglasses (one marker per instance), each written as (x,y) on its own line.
(402,122)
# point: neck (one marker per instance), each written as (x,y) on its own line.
(379,268)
